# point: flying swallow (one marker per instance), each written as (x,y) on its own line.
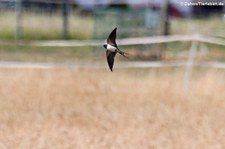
(112,49)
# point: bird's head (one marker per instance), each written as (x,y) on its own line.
(105,46)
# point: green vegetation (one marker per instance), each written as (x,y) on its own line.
(40,26)
(44,54)
(45,26)
(209,26)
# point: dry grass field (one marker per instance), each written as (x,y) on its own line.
(97,109)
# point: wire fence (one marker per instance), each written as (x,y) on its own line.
(133,22)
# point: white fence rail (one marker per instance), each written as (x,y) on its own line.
(124,65)
(195,39)
(133,41)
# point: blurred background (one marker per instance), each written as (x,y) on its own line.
(56,90)
(25,21)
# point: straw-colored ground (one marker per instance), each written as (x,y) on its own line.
(97,109)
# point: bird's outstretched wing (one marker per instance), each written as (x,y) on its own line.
(110,58)
(112,38)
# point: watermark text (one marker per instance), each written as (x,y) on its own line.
(202,3)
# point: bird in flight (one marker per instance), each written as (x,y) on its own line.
(112,48)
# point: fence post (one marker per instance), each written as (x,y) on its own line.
(19,29)
(165,27)
(166,18)
(65,14)
(189,66)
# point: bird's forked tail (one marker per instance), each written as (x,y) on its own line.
(123,53)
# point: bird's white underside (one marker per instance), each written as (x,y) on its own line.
(111,48)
